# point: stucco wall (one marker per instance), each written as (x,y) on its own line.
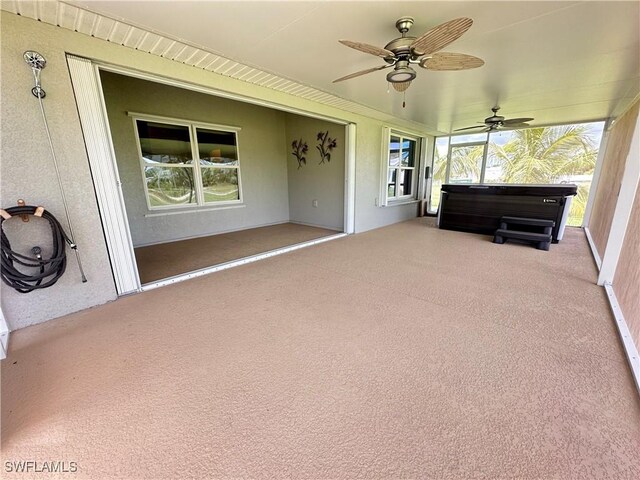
(626,282)
(323,182)
(262,158)
(614,161)
(26,171)
(620,151)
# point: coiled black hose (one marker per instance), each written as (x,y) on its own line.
(49,270)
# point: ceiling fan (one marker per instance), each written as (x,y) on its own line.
(496,122)
(424,50)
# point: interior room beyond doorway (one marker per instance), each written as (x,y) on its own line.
(165,260)
(208,180)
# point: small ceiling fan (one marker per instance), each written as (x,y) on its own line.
(424,50)
(496,122)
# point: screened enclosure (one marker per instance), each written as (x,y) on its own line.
(545,155)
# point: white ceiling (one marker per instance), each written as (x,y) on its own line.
(559,62)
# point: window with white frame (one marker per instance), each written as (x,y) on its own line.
(187,164)
(401,167)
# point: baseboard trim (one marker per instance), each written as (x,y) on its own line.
(316,225)
(594,250)
(628,344)
(237,263)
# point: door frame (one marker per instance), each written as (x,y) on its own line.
(469,144)
(87,87)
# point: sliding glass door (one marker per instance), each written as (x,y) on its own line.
(465,162)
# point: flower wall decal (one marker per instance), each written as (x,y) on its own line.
(325,146)
(300,149)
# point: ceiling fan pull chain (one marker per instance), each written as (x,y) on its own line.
(404,97)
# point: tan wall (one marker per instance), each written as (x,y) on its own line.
(626,282)
(262,158)
(606,197)
(26,170)
(315,181)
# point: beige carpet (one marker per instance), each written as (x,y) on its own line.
(156,262)
(404,352)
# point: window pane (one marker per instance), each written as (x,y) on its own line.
(408,152)
(439,170)
(391,183)
(217,148)
(170,185)
(164,143)
(469,138)
(220,184)
(496,156)
(394,151)
(405,183)
(562,154)
(466,163)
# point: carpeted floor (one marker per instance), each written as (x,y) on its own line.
(404,352)
(156,262)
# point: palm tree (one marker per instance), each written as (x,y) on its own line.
(545,155)
(549,155)
(466,166)
(531,156)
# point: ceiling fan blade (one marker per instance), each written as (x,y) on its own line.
(516,121)
(361,72)
(451,61)
(439,37)
(469,128)
(366,48)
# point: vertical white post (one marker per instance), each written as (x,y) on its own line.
(350,180)
(4,336)
(447,170)
(97,137)
(384,165)
(485,151)
(427,161)
(622,212)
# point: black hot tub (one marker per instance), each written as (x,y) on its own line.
(477,208)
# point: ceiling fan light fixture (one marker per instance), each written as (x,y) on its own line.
(401,74)
(401,87)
